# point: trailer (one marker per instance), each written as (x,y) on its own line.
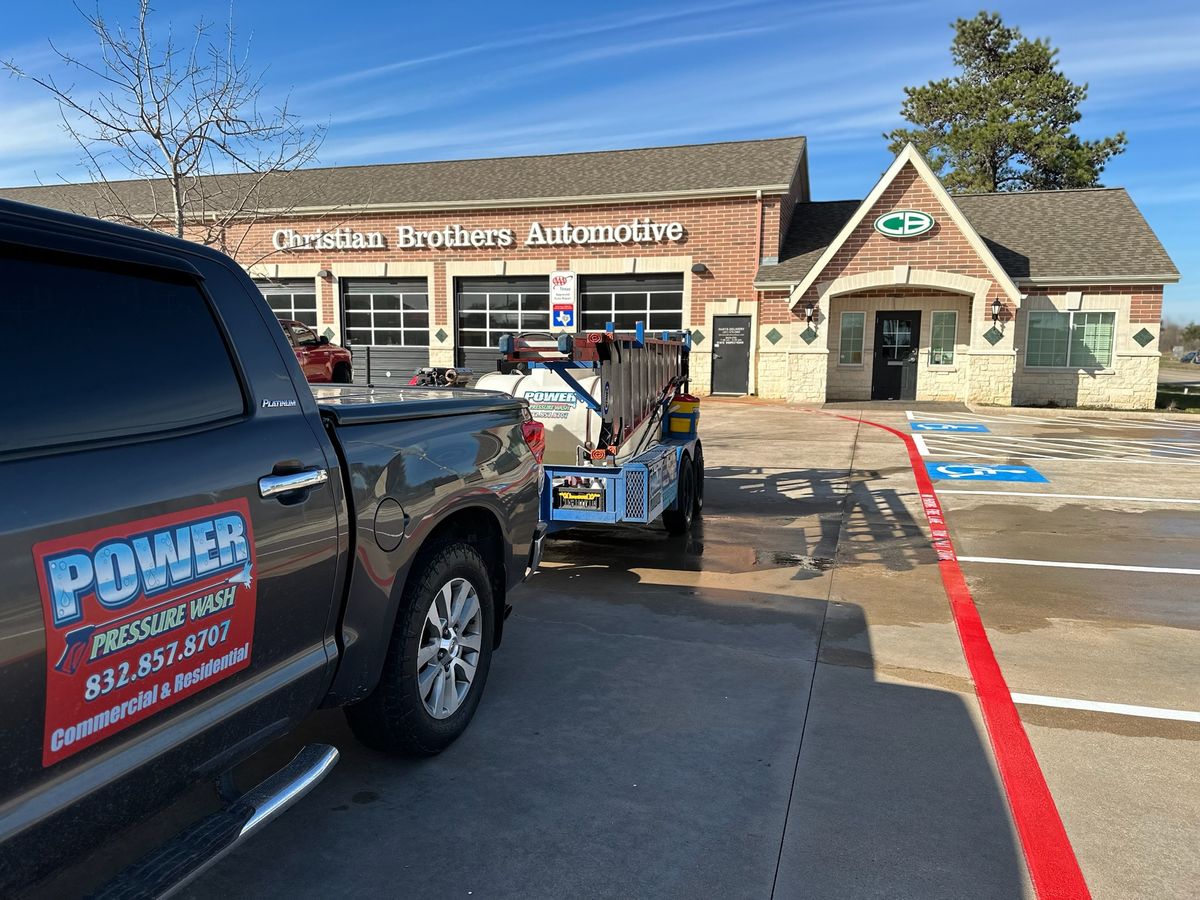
(621,428)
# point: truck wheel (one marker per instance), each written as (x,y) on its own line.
(342,375)
(679,519)
(438,660)
(698,509)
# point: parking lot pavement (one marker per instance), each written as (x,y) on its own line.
(1087,585)
(774,706)
(780,705)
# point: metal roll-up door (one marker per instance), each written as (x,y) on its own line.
(489,307)
(293,299)
(386,327)
(626,300)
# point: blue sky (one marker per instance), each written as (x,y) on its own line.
(401,81)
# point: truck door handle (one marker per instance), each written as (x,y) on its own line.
(275,485)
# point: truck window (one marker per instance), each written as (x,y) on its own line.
(106,352)
(303,337)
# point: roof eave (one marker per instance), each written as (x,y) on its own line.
(1068,280)
(511,203)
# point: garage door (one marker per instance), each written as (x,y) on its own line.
(291,298)
(489,307)
(386,327)
(626,300)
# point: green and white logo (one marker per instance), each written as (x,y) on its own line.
(904,223)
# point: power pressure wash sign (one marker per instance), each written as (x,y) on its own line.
(140,616)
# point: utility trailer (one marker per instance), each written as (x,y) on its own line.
(622,436)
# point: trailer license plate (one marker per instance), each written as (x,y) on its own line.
(579,498)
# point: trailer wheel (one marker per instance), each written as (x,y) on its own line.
(679,519)
(698,508)
(439,656)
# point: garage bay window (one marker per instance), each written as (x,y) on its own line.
(850,338)
(387,313)
(625,300)
(291,299)
(1077,340)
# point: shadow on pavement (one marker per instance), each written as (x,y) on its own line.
(895,793)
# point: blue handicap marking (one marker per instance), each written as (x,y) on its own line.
(952,471)
(949,426)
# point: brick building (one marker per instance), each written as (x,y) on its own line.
(988,298)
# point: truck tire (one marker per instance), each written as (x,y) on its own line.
(698,508)
(438,658)
(679,520)
(342,374)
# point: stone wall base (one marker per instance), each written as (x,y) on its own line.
(990,378)
(1131,384)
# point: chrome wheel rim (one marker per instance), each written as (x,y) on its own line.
(451,637)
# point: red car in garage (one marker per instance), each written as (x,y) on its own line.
(321,361)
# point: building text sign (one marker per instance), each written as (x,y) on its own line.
(456,236)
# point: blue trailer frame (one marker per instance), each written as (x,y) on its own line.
(637,492)
(641,489)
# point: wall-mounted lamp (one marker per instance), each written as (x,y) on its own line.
(699,269)
(996,310)
(808,312)
(324,273)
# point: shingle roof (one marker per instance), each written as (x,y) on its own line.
(696,168)
(1096,232)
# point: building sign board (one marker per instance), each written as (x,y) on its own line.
(977,472)
(903,223)
(456,236)
(337,239)
(562,299)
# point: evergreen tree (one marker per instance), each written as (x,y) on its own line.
(1004,123)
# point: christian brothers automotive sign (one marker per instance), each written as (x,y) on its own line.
(458,237)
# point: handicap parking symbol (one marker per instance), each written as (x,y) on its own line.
(978,472)
(975,427)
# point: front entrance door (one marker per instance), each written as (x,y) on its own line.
(895,370)
(731,355)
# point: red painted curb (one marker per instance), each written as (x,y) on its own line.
(1049,856)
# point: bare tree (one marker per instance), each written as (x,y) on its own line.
(184,124)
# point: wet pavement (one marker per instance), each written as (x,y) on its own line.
(778,705)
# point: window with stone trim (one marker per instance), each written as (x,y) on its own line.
(850,338)
(943,329)
(1080,339)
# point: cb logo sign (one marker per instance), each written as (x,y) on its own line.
(904,223)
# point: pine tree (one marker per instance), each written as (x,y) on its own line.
(1004,123)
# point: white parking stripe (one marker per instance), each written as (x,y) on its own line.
(922,447)
(1120,709)
(1068,421)
(997,446)
(1071,496)
(1057,564)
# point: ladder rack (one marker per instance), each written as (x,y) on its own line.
(638,372)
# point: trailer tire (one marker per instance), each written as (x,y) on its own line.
(679,519)
(396,717)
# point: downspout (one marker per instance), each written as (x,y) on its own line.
(758,238)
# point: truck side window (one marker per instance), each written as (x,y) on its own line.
(304,337)
(107,352)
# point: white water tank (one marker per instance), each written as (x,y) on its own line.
(568,420)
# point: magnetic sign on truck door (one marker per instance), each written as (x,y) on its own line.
(141,615)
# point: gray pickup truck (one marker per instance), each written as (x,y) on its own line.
(197,549)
